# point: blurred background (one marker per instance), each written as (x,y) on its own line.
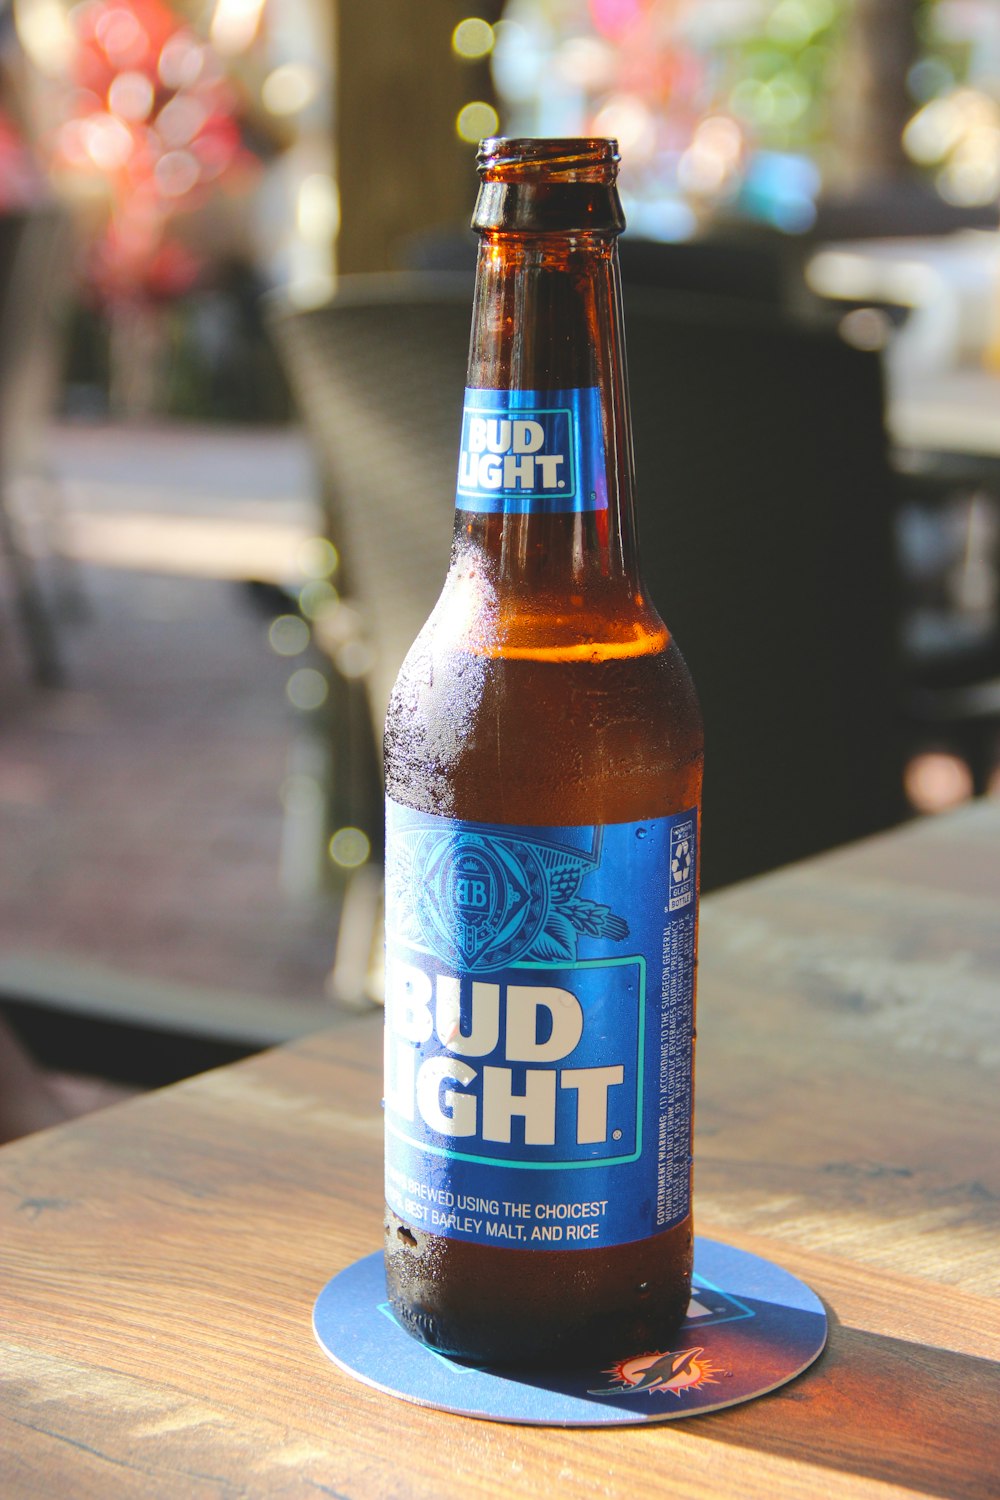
(235,283)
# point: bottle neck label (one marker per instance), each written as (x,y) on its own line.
(539,1028)
(528,452)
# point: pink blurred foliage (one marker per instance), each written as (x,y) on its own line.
(150,117)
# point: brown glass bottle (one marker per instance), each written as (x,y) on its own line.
(545,690)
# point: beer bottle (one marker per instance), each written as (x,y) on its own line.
(543,757)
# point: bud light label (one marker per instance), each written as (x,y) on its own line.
(532,451)
(539,1025)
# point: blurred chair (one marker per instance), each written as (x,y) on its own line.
(949,538)
(765,507)
(34,264)
(71,1031)
(762,269)
(379,376)
(748,264)
(76,1016)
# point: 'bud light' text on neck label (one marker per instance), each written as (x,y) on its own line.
(532,452)
(539,1011)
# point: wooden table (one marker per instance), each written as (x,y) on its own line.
(159,1261)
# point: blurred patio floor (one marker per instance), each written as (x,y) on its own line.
(141,820)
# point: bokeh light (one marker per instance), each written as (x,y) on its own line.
(713,158)
(290,88)
(865,328)
(307,689)
(476,121)
(958,132)
(176,173)
(349,848)
(180,120)
(182,61)
(936,780)
(472,38)
(235,24)
(131,96)
(316,596)
(107,141)
(289,635)
(124,40)
(793,23)
(317,211)
(615,17)
(46,34)
(628,120)
(318,557)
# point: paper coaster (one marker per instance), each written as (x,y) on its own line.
(750,1327)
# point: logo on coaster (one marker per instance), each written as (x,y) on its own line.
(674,1370)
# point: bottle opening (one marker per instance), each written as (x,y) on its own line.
(552,159)
(550,185)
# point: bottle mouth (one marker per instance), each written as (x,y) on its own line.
(548,159)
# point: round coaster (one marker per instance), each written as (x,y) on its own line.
(750,1327)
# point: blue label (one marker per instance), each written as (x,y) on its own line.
(539,1014)
(532,451)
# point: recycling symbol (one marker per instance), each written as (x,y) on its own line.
(680,865)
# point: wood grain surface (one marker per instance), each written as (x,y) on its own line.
(159,1260)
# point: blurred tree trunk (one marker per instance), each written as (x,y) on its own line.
(401,167)
(872,103)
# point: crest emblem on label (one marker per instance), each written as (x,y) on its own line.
(483,901)
(480,902)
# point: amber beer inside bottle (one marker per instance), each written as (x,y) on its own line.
(545,690)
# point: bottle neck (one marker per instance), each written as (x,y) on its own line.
(544,555)
(547,319)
